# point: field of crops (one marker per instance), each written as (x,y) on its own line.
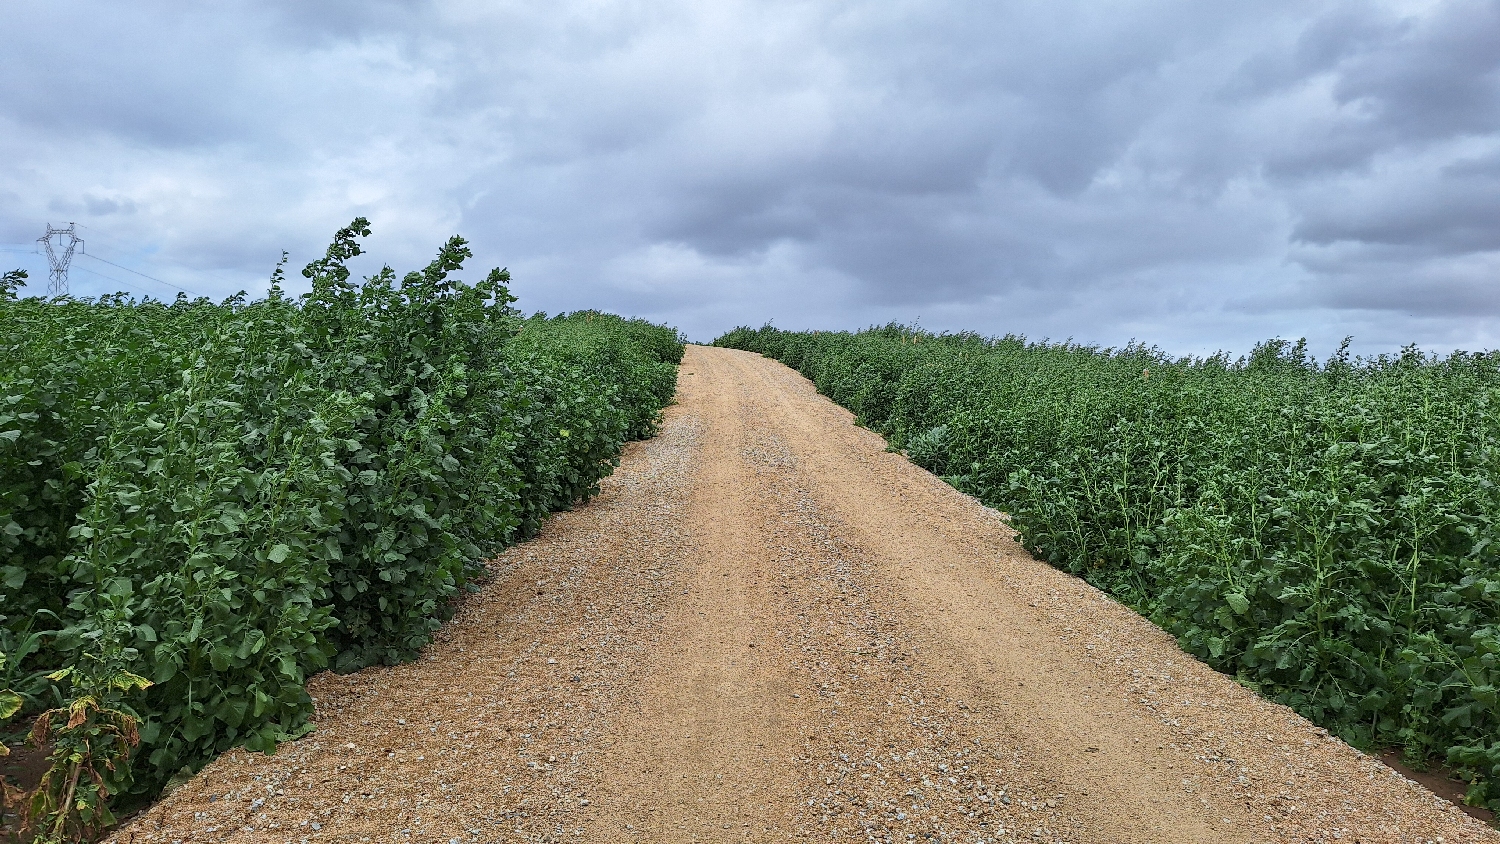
(1325,532)
(202,504)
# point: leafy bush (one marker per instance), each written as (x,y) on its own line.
(232,496)
(1324,532)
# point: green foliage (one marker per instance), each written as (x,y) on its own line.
(91,740)
(236,495)
(1324,532)
(12,281)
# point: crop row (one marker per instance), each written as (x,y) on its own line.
(202,504)
(1326,533)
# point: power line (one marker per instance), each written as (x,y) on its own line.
(106,277)
(34,251)
(124,284)
(100,234)
(97,234)
(139,273)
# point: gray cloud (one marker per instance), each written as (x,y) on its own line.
(1198,175)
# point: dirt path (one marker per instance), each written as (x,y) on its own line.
(768,628)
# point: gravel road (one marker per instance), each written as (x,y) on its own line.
(768,628)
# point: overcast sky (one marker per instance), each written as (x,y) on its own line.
(1199,175)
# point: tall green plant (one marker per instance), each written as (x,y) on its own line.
(90,740)
(240,494)
(1324,532)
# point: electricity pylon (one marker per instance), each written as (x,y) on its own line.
(57,278)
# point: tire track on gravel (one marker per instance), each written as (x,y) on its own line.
(703,757)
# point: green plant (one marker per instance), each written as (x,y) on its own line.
(1324,532)
(10,702)
(12,281)
(91,740)
(10,705)
(16,644)
(243,493)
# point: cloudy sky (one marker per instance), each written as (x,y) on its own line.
(1195,175)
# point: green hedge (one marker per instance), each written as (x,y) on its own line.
(1326,533)
(244,493)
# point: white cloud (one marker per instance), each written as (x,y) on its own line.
(1201,176)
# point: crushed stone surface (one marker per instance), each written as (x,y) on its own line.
(768,628)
